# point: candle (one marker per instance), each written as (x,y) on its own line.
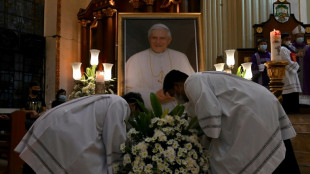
(107,70)
(76,67)
(230,58)
(94,54)
(248,70)
(100,76)
(275,45)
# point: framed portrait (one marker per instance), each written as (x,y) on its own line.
(186,34)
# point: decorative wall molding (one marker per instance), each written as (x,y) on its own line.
(58,32)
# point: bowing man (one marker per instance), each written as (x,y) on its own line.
(79,136)
(244,121)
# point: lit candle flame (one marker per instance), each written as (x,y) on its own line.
(112,2)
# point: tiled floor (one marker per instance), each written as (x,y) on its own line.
(301,143)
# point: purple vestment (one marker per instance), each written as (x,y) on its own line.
(304,63)
(260,77)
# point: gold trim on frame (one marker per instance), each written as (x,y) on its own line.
(124,16)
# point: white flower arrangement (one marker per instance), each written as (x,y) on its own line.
(159,142)
(86,86)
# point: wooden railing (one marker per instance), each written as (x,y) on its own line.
(15,134)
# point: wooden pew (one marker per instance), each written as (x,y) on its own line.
(18,130)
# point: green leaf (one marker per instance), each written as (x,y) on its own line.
(164,113)
(181,110)
(239,71)
(88,72)
(193,123)
(157,109)
(142,107)
(93,71)
(175,110)
(178,110)
(132,123)
(243,73)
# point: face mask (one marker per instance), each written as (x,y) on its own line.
(62,97)
(300,40)
(287,43)
(179,98)
(263,47)
(35,92)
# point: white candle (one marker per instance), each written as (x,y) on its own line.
(230,57)
(107,71)
(275,45)
(100,76)
(248,70)
(94,54)
(76,67)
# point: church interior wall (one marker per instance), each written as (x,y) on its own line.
(227,25)
(50,22)
(69,45)
(303,11)
(307,13)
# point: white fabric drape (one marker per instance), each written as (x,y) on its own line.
(228,25)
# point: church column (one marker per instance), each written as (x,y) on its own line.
(98,38)
(193,7)
(184,6)
(109,32)
(84,44)
(149,4)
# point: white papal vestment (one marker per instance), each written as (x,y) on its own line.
(79,136)
(146,70)
(247,122)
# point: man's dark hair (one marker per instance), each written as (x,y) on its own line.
(172,77)
(34,83)
(132,97)
(59,92)
(283,35)
(261,40)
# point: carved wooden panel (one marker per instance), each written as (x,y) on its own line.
(263,30)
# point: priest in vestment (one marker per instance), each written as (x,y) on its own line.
(145,70)
(244,121)
(79,136)
(291,88)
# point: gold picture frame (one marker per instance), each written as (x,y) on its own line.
(187,37)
